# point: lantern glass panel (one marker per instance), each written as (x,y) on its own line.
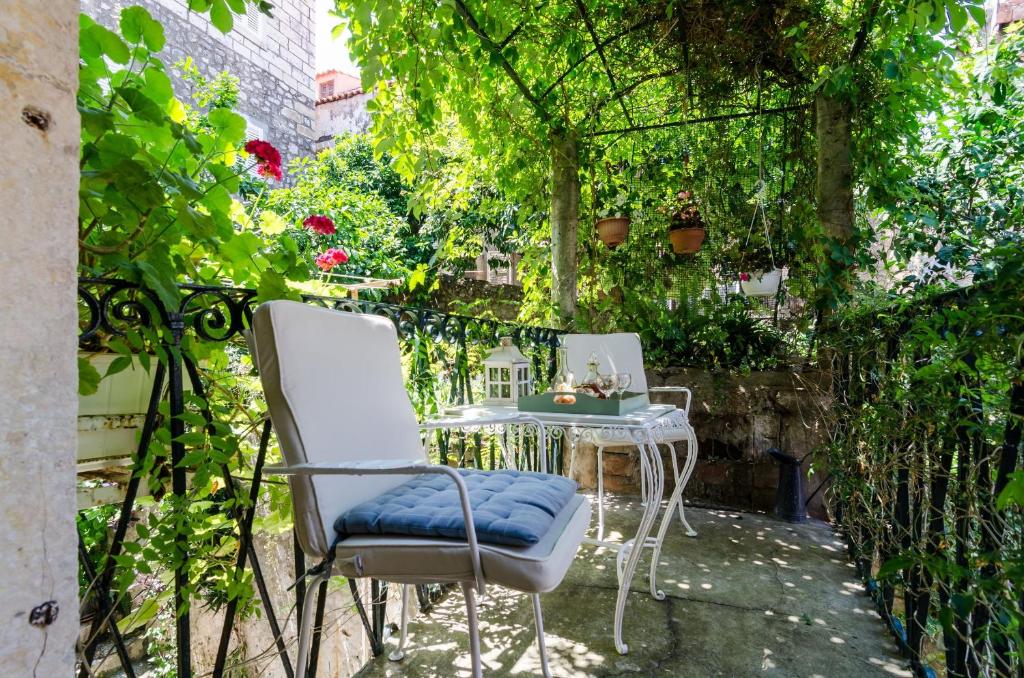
(506,391)
(494,391)
(505,374)
(494,374)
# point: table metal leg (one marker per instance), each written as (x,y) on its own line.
(690,464)
(676,499)
(600,493)
(572,453)
(683,477)
(651,468)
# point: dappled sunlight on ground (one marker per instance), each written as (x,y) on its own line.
(749,596)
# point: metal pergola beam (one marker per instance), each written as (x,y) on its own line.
(694,121)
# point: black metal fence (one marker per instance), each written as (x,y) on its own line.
(180,422)
(929,413)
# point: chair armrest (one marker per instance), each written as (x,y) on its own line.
(352,468)
(675,389)
(384,467)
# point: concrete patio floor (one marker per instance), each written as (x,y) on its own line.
(750,596)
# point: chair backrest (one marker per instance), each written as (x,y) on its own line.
(333,383)
(618,352)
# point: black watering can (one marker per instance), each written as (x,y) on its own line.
(789,497)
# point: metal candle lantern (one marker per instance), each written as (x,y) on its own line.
(507,375)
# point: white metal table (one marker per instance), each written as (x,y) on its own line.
(493,420)
(646,428)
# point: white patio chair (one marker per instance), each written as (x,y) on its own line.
(348,433)
(622,352)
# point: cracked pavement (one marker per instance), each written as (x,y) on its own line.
(750,596)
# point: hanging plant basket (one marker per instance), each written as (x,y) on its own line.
(761,283)
(687,240)
(612,230)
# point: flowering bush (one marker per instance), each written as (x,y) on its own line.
(347,202)
(158,175)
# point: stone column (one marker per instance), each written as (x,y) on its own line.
(38,329)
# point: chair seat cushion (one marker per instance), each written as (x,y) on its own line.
(537,568)
(511,508)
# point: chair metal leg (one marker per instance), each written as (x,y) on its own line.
(600,493)
(306,624)
(474,628)
(398,654)
(538,617)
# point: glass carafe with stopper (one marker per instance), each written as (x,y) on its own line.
(593,375)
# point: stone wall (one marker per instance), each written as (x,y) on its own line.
(738,418)
(38,369)
(272,57)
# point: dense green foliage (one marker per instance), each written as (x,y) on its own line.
(927,449)
(366,201)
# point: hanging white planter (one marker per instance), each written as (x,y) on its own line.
(761,283)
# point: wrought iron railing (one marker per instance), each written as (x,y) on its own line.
(930,401)
(439,348)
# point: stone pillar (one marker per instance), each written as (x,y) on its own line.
(38,329)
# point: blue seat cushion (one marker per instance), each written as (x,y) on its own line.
(512,508)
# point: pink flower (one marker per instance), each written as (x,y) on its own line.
(320,224)
(325,261)
(745,277)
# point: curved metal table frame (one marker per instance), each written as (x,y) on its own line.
(646,429)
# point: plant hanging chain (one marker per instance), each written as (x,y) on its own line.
(760,188)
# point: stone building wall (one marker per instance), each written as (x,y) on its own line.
(738,418)
(274,62)
(38,369)
(342,115)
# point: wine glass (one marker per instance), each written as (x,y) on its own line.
(622,382)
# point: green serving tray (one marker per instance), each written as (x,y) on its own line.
(585,404)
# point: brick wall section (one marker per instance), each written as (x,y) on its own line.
(276,67)
(738,418)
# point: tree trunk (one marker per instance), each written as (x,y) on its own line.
(565,218)
(835,181)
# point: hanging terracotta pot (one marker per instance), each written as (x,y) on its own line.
(612,230)
(687,240)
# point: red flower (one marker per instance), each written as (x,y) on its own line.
(325,261)
(269,171)
(267,157)
(264,152)
(320,224)
(745,277)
